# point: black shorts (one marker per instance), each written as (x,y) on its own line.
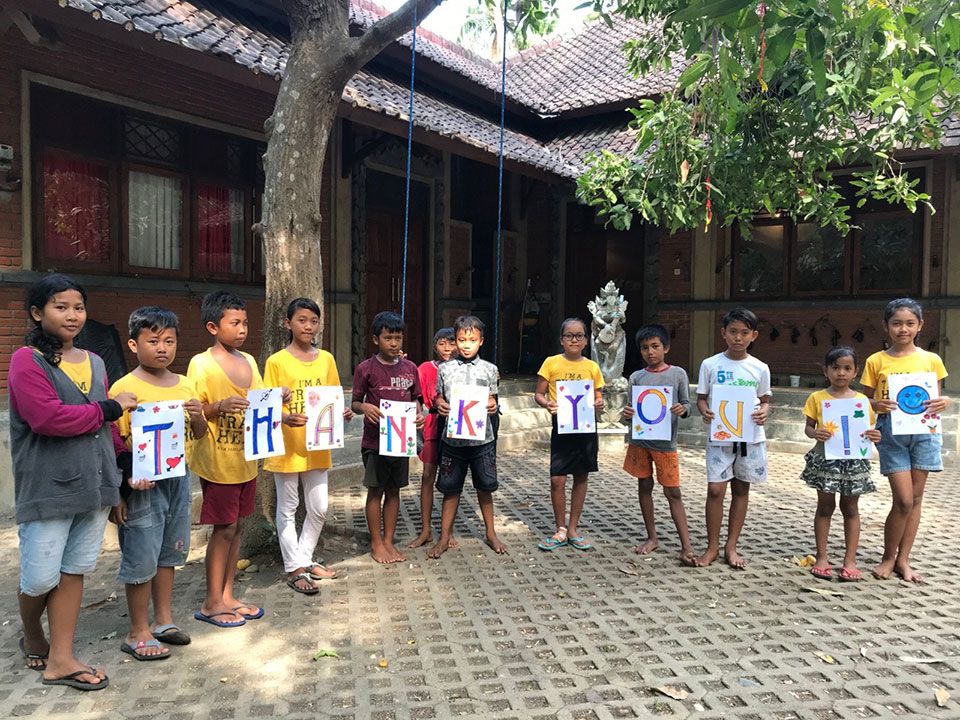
(383,472)
(574,454)
(480,460)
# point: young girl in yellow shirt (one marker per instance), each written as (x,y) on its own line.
(298,366)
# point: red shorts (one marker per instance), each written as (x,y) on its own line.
(225,504)
(430,453)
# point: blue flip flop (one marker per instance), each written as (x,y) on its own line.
(249,616)
(579,542)
(551,543)
(219,623)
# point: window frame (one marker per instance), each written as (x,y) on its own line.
(916,258)
(848,265)
(735,264)
(185,270)
(195,228)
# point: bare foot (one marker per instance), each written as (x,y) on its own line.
(884,570)
(735,560)
(421,539)
(908,574)
(648,547)
(439,549)
(688,558)
(453,544)
(395,555)
(707,558)
(494,542)
(381,554)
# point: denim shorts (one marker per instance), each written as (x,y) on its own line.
(157,533)
(902,453)
(455,461)
(68,545)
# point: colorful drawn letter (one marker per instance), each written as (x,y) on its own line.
(575,410)
(261,424)
(158,437)
(732,408)
(468,413)
(397,428)
(651,408)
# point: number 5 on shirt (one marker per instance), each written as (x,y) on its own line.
(324,411)
(262,434)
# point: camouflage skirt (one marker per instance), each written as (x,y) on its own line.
(847,477)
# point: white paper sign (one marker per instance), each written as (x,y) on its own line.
(323,406)
(732,408)
(158,438)
(848,419)
(262,433)
(575,411)
(652,419)
(910,391)
(398,428)
(468,412)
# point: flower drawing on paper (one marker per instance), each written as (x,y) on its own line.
(831,427)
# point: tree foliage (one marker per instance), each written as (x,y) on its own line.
(482,30)
(772,99)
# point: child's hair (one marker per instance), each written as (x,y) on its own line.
(649,332)
(444,334)
(841,351)
(469,322)
(741,314)
(387,320)
(37,297)
(301,303)
(570,321)
(902,304)
(154,318)
(215,304)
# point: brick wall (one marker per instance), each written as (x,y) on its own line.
(675,270)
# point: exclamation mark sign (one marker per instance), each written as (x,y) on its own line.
(845,428)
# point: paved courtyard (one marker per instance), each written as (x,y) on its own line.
(568,635)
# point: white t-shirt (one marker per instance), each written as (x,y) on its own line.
(749,372)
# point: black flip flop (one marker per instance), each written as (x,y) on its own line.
(71,681)
(33,656)
(171,635)
(292,582)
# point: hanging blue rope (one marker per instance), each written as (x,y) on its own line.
(406,211)
(499,246)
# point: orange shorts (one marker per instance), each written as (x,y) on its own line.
(640,462)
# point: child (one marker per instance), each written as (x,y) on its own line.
(444,347)
(741,463)
(851,478)
(387,375)
(457,456)
(222,375)
(904,459)
(153,524)
(653,341)
(65,475)
(574,454)
(298,366)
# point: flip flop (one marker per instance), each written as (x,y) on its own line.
(33,656)
(552,543)
(849,575)
(579,542)
(292,583)
(314,576)
(249,616)
(71,680)
(822,573)
(171,635)
(132,650)
(219,623)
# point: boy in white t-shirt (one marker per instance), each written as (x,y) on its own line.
(742,463)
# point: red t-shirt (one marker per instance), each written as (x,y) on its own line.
(428,384)
(374,381)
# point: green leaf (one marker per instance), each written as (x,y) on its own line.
(778,49)
(816,43)
(693,73)
(710,9)
(325,652)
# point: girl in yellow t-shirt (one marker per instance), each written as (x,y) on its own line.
(850,478)
(574,454)
(904,459)
(298,366)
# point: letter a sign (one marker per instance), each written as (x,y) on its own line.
(468,413)
(575,411)
(732,414)
(323,406)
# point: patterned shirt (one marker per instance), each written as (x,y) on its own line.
(474,371)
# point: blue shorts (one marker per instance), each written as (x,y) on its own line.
(67,545)
(157,533)
(903,453)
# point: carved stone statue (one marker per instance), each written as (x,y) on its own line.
(608,347)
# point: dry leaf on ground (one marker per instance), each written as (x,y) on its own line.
(920,660)
(825,593)
(829,659)
(672,692)
(941,696)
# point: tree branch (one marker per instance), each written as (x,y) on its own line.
(387,29)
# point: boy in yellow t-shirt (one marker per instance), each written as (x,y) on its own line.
(154,522)
(298,366)
(223,375)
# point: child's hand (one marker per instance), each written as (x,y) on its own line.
(194,409)
(141,484)
(285,395)
(421,419)
(873,435)
(884,406)
(598,403)
(491,405)
(629,412)
(822,434)
(442,406)
(678,409)
(937,404)
(127,400)
(705,412)
(118,513)
(294,420)
(760,414)
(233,404)
(552,406)
(371,413)
(347,414)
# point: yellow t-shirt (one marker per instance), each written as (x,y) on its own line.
(148,393)
(813,408)
(284,370)
(81,373)
(557,367)
(881,365)
(218,456)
